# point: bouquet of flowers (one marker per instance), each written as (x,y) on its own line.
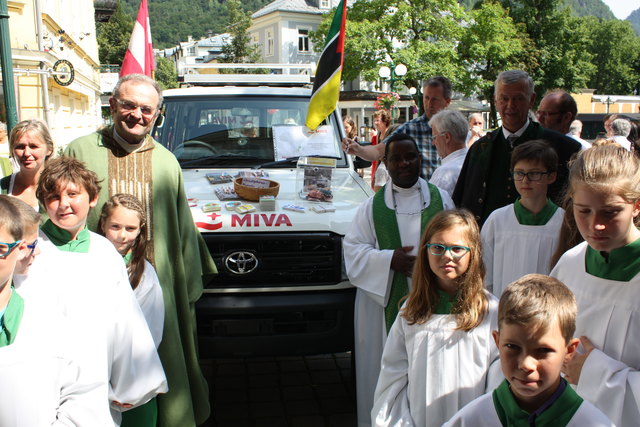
(386,101)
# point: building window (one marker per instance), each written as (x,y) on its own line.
(269,43)
(325,4)
(191,51)
(303,40)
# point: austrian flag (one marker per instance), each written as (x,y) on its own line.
(139,56)
(326,87)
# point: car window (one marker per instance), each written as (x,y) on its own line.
(229,131)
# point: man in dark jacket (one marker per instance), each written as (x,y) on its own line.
(486,182)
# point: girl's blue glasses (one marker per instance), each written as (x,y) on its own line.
(456,251)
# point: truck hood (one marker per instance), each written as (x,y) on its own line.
(349,191)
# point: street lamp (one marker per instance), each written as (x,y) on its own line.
(391,72)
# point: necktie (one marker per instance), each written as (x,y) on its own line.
(512,138)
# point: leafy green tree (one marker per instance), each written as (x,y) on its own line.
(616,56)
(421,34)
(557,41)
(166,74)
(113,37)
(491,43)
(239,50)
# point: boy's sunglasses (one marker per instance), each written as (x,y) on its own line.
(456,251)
(7,248)
(32,246)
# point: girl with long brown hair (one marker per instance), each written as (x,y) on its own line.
(439,352)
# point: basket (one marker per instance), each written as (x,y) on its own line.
(253,194)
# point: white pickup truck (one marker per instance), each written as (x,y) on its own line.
(281,287)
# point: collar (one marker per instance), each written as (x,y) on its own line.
(517,133)
(621,264)
(125,145)
(389,189)
(526,217)
(10,319)
(62,238)
(445,302)
(454,155)
(558,410)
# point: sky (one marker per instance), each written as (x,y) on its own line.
(622,8)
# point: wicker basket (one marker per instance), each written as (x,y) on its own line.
(253,194)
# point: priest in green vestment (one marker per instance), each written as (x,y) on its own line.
(128,160)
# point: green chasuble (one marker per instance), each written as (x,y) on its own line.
(526,217)
(388,236)
(180,259)
(62,238)
(621,264)
(10,319)
(556,412)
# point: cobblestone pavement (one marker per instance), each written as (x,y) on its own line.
(302,391)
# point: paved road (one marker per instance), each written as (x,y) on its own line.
(300,391)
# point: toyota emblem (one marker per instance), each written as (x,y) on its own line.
(241,262)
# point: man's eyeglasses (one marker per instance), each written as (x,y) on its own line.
(409,158)
(32,246)
(129,106)
(7,248)
(547,113)
(531,176)
(456,251)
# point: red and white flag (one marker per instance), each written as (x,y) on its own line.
(139,57)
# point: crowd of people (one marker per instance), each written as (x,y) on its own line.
(496,272)
(101,267)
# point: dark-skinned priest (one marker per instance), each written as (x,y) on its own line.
(380,249)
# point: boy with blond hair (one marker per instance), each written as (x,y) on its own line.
(520,238)
(536,323)
(40,381)
(92,288)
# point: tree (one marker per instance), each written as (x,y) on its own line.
(421,34)
(616,56)
(491,43)
(239,50)
(113,37)
(558,43)
(166,74)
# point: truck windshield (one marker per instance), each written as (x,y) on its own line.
(232,131)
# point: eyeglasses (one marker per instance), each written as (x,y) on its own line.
(547,113)
(7,248)
(32,246)
(456,251)
(531,176)
(129,106)
(409,157)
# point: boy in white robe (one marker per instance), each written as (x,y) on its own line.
(536,323)
(94,291)
(40,382)
(372,268)
(520,238)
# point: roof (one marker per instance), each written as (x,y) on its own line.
(300,6)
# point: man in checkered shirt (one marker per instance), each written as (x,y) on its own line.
(436,97)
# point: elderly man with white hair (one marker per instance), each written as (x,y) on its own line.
(620,128)
(449,136)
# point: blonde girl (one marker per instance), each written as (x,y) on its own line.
(439,352)
(603,273)
(123,223)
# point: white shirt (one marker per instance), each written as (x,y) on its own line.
(446,175)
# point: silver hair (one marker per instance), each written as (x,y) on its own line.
(575,128)
(621,127)
(439,81)
(510,77)
(138,78)
(453,122)
(475,115)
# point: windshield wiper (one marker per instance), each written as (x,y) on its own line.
(288,161)
(225,157)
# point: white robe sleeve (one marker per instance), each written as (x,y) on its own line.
(391,401)
(149,296)
(487,236)
(364,262)
(610,384)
